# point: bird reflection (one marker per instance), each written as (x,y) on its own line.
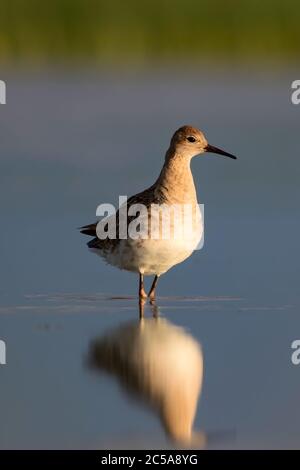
(159,363)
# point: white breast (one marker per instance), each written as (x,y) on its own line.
(161,248)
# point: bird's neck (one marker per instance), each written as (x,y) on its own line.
(175,182)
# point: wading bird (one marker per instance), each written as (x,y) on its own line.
(174,187)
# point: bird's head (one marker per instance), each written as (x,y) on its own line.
(190,141)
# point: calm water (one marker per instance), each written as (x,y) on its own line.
(73,378)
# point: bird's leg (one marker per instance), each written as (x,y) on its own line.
(154,308)
(142,293)
(142,302)
(151,294)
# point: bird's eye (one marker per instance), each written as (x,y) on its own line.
(191,139)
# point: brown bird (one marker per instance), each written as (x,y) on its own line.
(148,248)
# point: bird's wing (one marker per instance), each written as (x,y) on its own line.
(146,198)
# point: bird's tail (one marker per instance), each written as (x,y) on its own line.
(89,230)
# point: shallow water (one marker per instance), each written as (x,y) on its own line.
(70,141)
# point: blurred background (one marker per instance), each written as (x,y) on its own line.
(95,89)
(149,31)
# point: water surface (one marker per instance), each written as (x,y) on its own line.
(70,141)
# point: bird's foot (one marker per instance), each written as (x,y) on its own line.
(142,294)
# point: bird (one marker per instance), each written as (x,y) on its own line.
(174,187)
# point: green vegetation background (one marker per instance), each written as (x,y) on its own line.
(147,30)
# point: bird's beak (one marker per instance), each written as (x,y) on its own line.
(212,149)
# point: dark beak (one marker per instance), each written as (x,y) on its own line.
(212,149)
